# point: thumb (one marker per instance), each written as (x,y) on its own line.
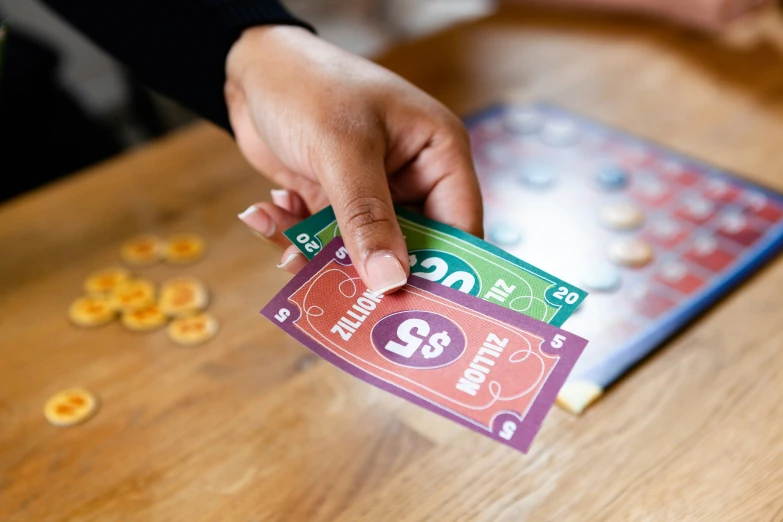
(358,189)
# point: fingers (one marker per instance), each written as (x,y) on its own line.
(292,260)
(290,201)
(443,177)
(269,220)
(355,181)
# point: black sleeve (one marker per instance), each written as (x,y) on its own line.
(177,47)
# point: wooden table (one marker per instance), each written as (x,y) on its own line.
(252,427)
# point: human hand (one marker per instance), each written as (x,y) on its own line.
(331,127)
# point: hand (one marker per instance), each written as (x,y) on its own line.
(331,127)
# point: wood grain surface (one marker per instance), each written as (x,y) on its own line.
(252,427)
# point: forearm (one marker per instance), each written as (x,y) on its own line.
(177,47)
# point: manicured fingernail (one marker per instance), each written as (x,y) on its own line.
(258,220)
(290,259)
(384,272)
(283,199)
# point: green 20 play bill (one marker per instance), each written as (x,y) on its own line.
(449,256)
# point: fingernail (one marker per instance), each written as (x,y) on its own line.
(384,272)
(258,220)
(282,198)
(288,260)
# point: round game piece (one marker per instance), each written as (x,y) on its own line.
(630,252)
(559,133)
(184,249)
(104,282)
(504,235)
(622,216)
(665,229)
(142,250)
(611,178)
(733,222)
(91,311)
(601,277)
(537,176)
(183,296)
(144,319)
(673,272)
(705,245)
(70,407)
(133,295)
(651,188)
(699,208)
(194,329)
(523,120)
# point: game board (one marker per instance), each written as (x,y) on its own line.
(656,237)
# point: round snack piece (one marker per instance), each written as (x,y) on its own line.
(142,250)
(144,319)
(194,329)
(104,282)
(622,216)
(70,407)
(183,296)
(91,311)
(184,249)
(133,295)
(630,252)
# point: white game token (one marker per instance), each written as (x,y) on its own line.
(756,201)
(538,177)
(699,208)
(630,252)
(666,229)
(622,216)
(504,235)
(674,272)
(523,120)
(705,245)
(601,277)
(734,223)
(560,133)
(652,188)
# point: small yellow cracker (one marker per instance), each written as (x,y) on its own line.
(142,250)
(183,296)
(144,319)
(194,329)
(70,407)
(184,249)
(91,311)
(133,295)
(104,282)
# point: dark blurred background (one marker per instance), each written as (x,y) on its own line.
(65,105)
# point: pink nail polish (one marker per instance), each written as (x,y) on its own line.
(384,272)
(283,199)
(258,220)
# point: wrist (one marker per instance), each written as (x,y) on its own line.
(257,47)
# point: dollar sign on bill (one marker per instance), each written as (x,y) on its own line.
(435,346)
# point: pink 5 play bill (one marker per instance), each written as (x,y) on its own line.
(488,368)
